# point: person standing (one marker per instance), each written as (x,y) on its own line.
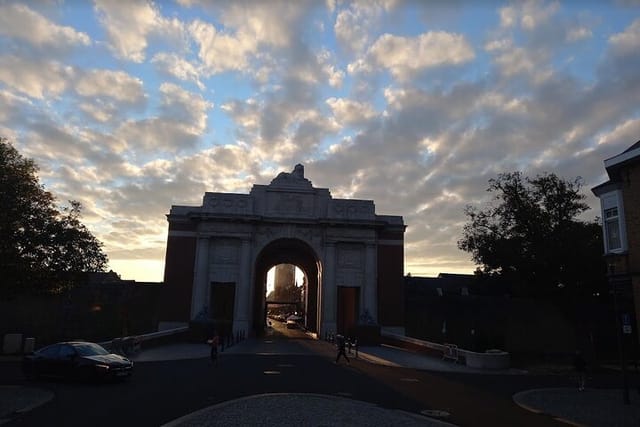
(340,344)
(580,366)
(214,341)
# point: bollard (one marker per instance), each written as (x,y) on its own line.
(12,344)
(29,345)
(356,345)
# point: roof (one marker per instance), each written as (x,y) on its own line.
(633,147)
(630,155)
(613,165)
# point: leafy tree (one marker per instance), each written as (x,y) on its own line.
(530,237)
(42,248)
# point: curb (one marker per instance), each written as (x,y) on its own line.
(44,397)
(186,419)
(517,400)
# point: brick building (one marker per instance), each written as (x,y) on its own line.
(620,204)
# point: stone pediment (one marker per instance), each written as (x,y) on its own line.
(289,196)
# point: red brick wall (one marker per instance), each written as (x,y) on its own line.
(175,302)
(391,285)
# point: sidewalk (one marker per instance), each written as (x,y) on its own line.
(398,357)
(591,407)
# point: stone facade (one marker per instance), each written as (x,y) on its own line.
(231,241)
(621,196)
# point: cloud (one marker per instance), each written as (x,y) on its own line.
(35,78)
(578,33)
(273,23)
(248,26)
(404,57)
(219,51)
(12,107)
(528,15)
(184,106)
(331,72)
(117,85)
(534,13)
(99,110)
(353,26)
(21,22)
(517,61)
(182,120)
(351,112)
(171,64)
(418,124)
(622,134)
(130,24)
(628,41)
(246,115)
(498,45)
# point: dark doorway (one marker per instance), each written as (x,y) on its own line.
(348,309)
(222,301)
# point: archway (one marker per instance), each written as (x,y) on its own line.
(286,251)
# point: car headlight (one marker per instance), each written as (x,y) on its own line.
(100,366)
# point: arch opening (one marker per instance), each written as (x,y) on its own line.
(289,252)
(286,293)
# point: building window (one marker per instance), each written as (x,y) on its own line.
(613,222)
(612,227)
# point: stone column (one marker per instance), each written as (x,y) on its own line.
(371,281)
(329,294)
(243,294)
(200,277)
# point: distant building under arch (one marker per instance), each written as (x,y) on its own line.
(218,255)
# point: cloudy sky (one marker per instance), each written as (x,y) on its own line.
(132,106)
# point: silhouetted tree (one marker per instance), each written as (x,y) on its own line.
(42,248)
(530,237)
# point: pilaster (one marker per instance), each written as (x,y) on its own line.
(329,291)
(371,282)
(243,297)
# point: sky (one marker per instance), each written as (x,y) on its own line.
(130,107)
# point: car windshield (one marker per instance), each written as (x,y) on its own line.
(90,349)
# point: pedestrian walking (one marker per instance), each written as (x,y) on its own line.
(580,366)
(340,344)
(214,341)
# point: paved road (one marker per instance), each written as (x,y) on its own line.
(163,391)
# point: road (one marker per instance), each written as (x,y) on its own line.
(285,361)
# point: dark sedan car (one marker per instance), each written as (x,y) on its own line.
(76,359)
